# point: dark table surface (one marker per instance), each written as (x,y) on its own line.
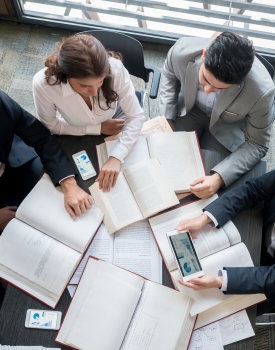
(16,303)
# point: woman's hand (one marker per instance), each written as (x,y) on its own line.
(194,224)
(112,126)
(109,174)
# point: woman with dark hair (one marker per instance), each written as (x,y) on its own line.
(86,90)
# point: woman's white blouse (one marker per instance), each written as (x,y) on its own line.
(63,111)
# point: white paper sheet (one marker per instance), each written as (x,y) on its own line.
(101,248)
(207,338)
(235,327)
(135,250)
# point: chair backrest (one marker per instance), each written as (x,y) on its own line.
(267,65)
(130,48)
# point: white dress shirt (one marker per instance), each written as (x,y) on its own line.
(76,118)
(205,101)
(223,273)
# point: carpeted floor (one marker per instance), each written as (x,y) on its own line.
(23,49)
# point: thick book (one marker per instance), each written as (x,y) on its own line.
(141,191)
(132,248)
(178,153)
(216,248)
(114,309)
(41,248)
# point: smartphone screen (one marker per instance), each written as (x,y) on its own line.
(185,253)
(84,165)
(45,319)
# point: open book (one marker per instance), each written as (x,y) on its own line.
(133,248)
(42,246)
(216,248)
(151,126)
(178,153)
(141,190)
(114,309)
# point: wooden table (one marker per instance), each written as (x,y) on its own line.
(16,303)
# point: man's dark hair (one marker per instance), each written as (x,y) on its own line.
(229,58)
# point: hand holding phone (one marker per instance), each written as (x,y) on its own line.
(185,254)
(43,319)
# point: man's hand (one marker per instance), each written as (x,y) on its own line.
(206,186)
(193,224)
(6,215)
(112,126)
(203,282)
(108,175)
(172,124)
(76,201)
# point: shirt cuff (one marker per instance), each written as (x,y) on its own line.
(215,222)
(93,129)
(120,152)
(223,273)
(65,178)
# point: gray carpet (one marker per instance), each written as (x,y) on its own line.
(23,49)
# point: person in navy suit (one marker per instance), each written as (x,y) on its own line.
(240,280)
(26,146)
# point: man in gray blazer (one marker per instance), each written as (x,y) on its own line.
(227,96)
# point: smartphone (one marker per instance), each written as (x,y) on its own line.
(185,254)
(84,165)
(43,319)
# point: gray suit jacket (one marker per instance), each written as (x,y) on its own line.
(242,116)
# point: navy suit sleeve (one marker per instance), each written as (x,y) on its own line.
(36,135)
(242,197)
(251,280)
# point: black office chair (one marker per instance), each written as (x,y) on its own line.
(267,65)
(133,60)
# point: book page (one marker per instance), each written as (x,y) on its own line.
(104,302)
(232,233)
(138,153)
(44,209)
(150,187)
(209,240)
(102,247)
(207,338)
(158,319)
(155,125)
(235,327)
(119,206)
(135,250)
(234,256)
(102,155)
(31,258)
(176,154)
(107,308)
